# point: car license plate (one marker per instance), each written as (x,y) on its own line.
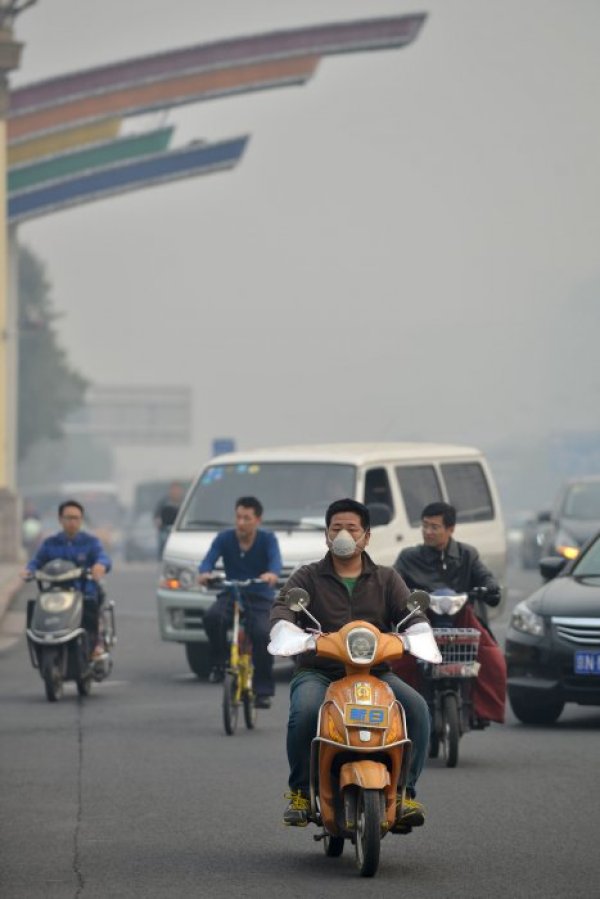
(366,716)
(587,662)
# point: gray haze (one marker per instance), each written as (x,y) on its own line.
(408,249)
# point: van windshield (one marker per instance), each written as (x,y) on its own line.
(293,494)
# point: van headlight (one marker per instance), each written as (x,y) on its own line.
(361,644)
(526,621)
(178,577)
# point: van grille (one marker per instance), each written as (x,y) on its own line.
(578,630)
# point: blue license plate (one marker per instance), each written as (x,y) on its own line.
(365,716)
(587,662)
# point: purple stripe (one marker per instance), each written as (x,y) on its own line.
(322,40)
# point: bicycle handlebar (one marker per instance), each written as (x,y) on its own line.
(224,582)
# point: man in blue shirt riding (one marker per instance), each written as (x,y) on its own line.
(247,552)
(84,551)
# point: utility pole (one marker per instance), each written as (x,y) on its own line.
(10,524)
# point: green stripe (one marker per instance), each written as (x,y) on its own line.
(89,158)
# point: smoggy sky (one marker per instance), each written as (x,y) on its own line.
(409,248)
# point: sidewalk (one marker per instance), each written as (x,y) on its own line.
(10,584)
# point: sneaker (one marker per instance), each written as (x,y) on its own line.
(217,675)
(262,702)
(413,813)
(296,813)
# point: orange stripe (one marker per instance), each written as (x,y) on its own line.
(183,88)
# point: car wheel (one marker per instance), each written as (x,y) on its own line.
(535,711)
(198,659)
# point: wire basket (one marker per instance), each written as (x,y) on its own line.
(459,647)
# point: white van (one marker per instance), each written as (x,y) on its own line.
(295,484)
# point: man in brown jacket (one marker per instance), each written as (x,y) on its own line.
(346,585)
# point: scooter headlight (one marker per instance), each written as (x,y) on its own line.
(443,604)
(362,645)
(57,602)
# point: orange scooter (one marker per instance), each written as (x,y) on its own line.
(361,753)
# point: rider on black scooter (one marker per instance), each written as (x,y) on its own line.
(84,550)
(439,562)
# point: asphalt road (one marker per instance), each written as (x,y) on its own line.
(136,791)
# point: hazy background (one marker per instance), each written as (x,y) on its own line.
(409,249)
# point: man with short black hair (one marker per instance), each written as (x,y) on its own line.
(346,585)
(84,550)
(441,561)
(166,513)
(247,551)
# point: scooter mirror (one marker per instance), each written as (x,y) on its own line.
(418,601)
(297,599)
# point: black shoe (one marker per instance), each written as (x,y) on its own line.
(217,675)
(262,702)
(480,723)
(296,813)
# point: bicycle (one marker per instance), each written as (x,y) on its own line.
(238,690)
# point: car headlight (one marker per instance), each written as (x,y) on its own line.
(525,620)
(362,644)
(566,545)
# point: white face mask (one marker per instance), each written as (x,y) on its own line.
(343,545)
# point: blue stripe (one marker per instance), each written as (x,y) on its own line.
(143,172)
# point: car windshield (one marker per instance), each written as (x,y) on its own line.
(293,494)
(589,564)
(583,501)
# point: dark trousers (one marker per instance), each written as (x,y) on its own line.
(91,614)
(255,615)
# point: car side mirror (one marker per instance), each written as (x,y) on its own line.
(545,516)
(380,514)
(550,566)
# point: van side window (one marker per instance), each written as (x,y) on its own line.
(419,486)
(468,491)
(377,488)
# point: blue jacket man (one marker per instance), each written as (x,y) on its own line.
(85,551)
(247,552)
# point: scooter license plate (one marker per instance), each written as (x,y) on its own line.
(366,716)
(587,662)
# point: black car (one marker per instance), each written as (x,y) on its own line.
(534,531)
(575,517)
(553,640)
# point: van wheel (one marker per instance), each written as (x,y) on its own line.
(197,658)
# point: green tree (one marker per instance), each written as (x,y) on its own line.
(49,388)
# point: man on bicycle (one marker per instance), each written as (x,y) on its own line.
(247,551)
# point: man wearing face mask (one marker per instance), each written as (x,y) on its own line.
(346,585)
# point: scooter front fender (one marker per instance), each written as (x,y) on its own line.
(364,773)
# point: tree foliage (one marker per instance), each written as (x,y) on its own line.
(49,388)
